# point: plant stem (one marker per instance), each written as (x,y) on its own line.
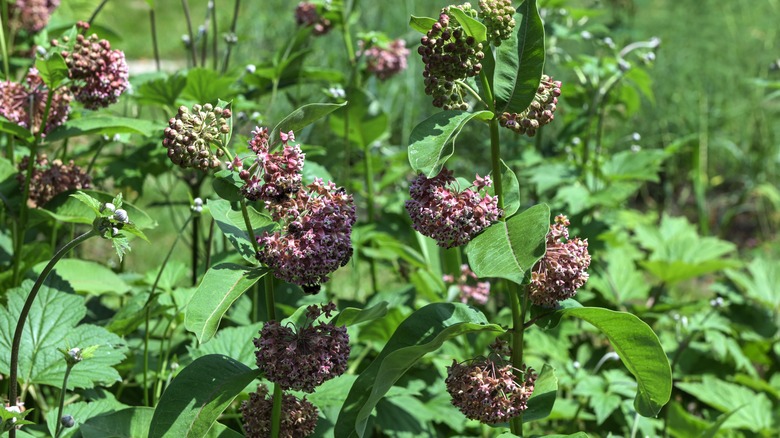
(14,373)
(3,46)
(96,12)
(153,24)
(276,412)
(64,389)
(214,38)
(369,178)
(186,6)
(518,330)
(233,25)
(102,143)
(195,191)
(248,223)
(495,160)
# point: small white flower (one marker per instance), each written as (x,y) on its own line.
(120,215)
(250,68)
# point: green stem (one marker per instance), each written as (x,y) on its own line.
(495,160)
(186,7)
(155,46)
(14,373)
(369,179)
(233,25)
(518,330)
(472,92)
(248,223)
(64,389)
(3,46)
(96,12)
(276,412)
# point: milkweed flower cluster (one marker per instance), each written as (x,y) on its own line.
(451,217)
(316,220)
(50,178)
(541,111)
(101,73)
(449,56)
(298,420)
(33,15)
(25,103)
(486,391)
(303,358)
(498,18)
(563,269)
(386,62)
(308,14)
(478,293)
(195,139)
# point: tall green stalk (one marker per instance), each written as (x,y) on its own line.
(3,46)
(519,309)
(63,391)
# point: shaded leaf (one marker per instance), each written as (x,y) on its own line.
(421,24)
(543,398)
(87,276)
(105,125)
(302,117)
(231,223)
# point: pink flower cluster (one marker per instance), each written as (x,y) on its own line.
(102,72)
(386,62)
(50,178)
(449,216)
(25,104)
(279,172)
(488,392)
(478,294)
(563,269)
(539,113)
(33,15)
(308,14)
(303,359)
(299,416)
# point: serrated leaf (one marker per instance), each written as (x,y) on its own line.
(421,24)
(52,324)
(87,276)
(422,332)
(753,410)
(471,27)
(67,208)
(205,85)
(53,70)
(231,223)
(81,413)
(520,62)
(162,92)
(509,249)
(302,117)
(104,125)
(198,395)
(432,141)
(222,285)
(89,201)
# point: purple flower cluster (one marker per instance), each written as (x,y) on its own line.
(539,113)
(25,104)
(190,136)
(102,73)
(478,294)
(299,416)
(450,217)
(278,175)
(498,18)
(308,14)
(302,360)
(33,15)
(48,179)
(449,56)
(563,269)
(386,62)
(488,392)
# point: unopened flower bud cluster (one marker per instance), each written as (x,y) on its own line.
(478,293)
(539,113)
(25,103)
(487,391)
(308,14)
(451,217)
(33,15)
(563,269)
(50,178)
(449,56)
(303,358)
(386,62)
(498,18)
(195,139)
(298,416)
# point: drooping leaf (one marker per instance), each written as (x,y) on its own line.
(542,400)
(302,117)
(432,142)
(228,185)
(53,323)
(520,62)
(509,249)
(198,395)
(351,316)
(232,224)
(105,125)
(511,189)
(87,276)
(422,332)
(134,422)
(222,285)
(471,27)
(17,131)
(421,24)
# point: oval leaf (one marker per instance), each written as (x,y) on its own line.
(520,62)
(639,349)
(542,400)
(222,285)
(17,131)
(104,125)
(303,116)
(432,141)
(470,26)
(422,332)
(511,189)
(509,249)
(233,226)
(421,24)
(198,396)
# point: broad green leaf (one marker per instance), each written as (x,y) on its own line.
(231,223)
(643,165)
(81,413)
(66,208)
(104,125)
(542,400)
(53,70)
(424,331)
(87,276)
(205,85)
(432,141)
(133,423)
(421,24)
(520,62)
(162,92)
(471,26)
(682,424)
(753,410)
(17,131)
(227,185)
(509,249)
(351,316)
(198,395)
(511,189)
(762,283)
(302,117)
(234,342)
(222,285)
(53,323)
(640,351)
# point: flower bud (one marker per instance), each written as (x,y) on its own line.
(120,215)
(67,421)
